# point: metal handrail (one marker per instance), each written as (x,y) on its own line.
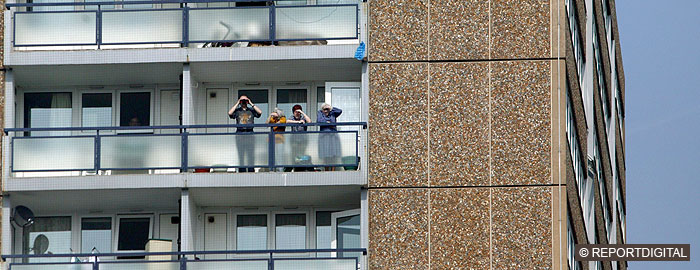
(183,260)
(183,253)
(7,130)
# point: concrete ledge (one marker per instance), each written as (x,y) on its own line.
(176,55)
(186,180)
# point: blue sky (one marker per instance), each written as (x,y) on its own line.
(661,54)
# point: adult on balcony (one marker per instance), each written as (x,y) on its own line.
(299,141)
(245,112)
(328,141)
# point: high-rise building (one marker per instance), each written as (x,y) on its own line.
(473,134)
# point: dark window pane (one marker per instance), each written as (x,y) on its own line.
(251,221)
(47,110)
(97,110)
(323,218)
(135,109)
(320,97)
(97,100)
(97,224)
(290,219)
(133,233)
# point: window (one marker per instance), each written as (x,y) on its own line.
(576,40)
(251,232)
(45,110)
(603,189)
(133,233)
(290,231)
(287,98)
(97,110)
(602,85)
(48,235)
(320,99)
(96,234)
(135,109)
(570,245)
(323,232)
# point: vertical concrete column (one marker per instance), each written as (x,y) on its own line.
(9,122)
(187,96)
(6,226)
(188,219)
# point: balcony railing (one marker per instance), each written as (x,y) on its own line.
(344,259)
(183,148)
(93,24)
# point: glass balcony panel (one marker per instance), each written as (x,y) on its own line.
(217,265)
(53,153)
(53,267)
(141,266)
(55,28)
(230,150)
(323,264)
(150,26)
(315,149)
(316,22)
(229,24)
(125,151)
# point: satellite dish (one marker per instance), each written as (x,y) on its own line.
(41,244)
(23,216)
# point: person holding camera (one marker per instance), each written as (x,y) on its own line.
(245,112)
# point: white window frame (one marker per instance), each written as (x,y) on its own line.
(114,109)
(273,228)
(334,226)
(80,230)
(151,116)
(119,217)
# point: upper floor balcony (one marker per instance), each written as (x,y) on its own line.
(175,28)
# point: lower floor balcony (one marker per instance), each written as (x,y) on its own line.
(197,228)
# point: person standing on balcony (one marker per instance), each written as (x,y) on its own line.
(299,141)
(245,112)
(277,117)
(328,141)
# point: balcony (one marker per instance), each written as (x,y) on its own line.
(181,23)
(195,149)
(339,259)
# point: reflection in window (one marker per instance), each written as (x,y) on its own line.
(323,232)
(97,110)
(287,98)
(251,232)
(133,234)
(48,235)
(96,234)
(290,231)
(348,234)
(46,110)
(135,109)
(320,98)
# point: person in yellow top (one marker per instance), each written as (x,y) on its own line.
(277,117)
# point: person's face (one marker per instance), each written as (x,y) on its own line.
(274,116)
(326,110)
(134,122)
(244,101)
(297,113)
